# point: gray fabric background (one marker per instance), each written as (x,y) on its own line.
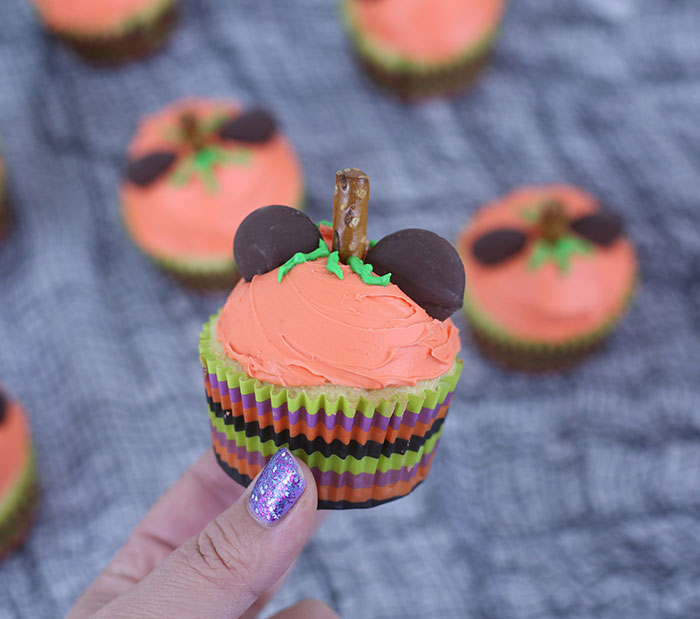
(571,496)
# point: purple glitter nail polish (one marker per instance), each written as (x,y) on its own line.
(278,488)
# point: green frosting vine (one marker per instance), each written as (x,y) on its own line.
(561,252)
(365,273)
(300,258)
(332,265)
(202,161)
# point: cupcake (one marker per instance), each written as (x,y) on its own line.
(549,274)
(341,351)
(195,170)
(420,48)
(109,31)
(18,483)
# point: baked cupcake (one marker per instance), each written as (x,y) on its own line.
(18,481)
(422,48)
(344,355)
(549,274)
(195,170)
(109,31)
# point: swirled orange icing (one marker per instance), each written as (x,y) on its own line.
(313,328)
(190,221)
(544,304)
(14,446)
(427,30)
(90,15)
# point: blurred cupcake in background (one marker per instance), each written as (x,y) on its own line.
(18,479)
(109,31)
(195,170)
(341,350)
(549,274)
(423,48)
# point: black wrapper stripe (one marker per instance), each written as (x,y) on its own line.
(370,449)
(245,480)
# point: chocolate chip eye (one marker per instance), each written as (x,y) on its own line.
(499,245)
(425,266)
(270,236)
(254,126)
(3,407)
(600,228)
(147,169)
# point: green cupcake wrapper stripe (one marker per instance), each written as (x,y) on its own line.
(215,362)
(393,62)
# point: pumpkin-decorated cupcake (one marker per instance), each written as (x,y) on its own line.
(345,355)
(109,31)
(18,484)
(423,48)
(195,170)
(549,274)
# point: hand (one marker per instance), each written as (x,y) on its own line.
(209,548)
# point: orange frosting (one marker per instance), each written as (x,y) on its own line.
(191,221)
(14,446)
(544,304)
(314,329)
(427,30)
(90,15)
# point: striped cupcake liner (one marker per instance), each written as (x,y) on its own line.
(268,421)
(384,440)
(342,483)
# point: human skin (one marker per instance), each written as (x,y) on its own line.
(216,560)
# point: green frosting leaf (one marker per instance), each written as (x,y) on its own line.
(202,163)
(300,258)
(561,252)
(332,265)
(325,222)
(365,272)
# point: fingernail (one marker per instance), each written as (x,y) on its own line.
(278,488)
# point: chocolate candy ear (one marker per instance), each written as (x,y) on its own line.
(601,228)
(425,266)
(147,169)
(3,407)
(499,245)
(270,236)
(254,126)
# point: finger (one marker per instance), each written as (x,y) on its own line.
(307,609)
(265,598)
(221,571)
(201,494)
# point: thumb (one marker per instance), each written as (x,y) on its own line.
(221,571)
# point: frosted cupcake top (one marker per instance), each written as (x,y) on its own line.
(426,30)
(305,315)
(547,264)
(196,169)
(94,15)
